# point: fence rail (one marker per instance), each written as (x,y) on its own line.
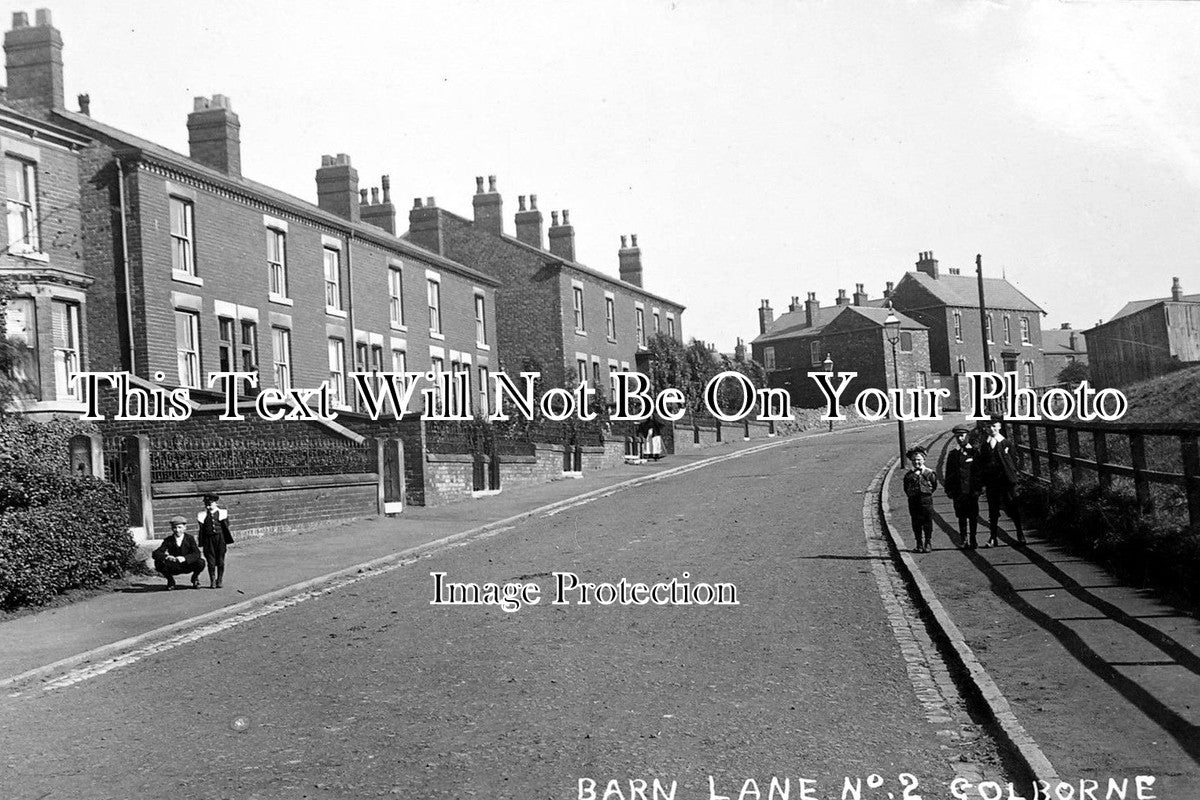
(1148,454)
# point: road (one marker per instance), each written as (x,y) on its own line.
(821,672)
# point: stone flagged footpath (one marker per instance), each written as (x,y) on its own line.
(257,567)
(1104,677)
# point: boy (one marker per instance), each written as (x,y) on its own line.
(963,486)
(999,473)
(214,537)
(919,484)
(178,554)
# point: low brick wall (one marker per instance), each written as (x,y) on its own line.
(449,477)
(265,506)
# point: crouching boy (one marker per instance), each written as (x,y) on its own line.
(179,554)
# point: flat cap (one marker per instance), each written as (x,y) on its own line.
(178,520)
(960,429)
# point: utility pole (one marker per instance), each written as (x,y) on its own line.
(982,312)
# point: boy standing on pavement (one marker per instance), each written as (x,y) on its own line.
(214,537)
(963,486)
(919,484)
(1000,480)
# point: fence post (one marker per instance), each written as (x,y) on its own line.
(379,476)
(1100,443)
(1137,448)
(1051,456)
(1190,449)
(137,451)
(1034,460)
(87,455)
(1073,449)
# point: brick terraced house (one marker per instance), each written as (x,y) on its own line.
(571,320)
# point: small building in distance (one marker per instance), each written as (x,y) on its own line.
(1061,347)
(1146,338)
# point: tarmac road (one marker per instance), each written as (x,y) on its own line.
(821,672)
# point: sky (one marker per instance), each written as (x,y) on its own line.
(760,149)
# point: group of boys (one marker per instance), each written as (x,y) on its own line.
(989,468)
(180,553)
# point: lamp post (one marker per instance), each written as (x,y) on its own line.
(828,365)
(892,326)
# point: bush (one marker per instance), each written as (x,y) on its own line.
(1148,547)
(57,531)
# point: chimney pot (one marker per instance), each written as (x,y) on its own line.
(430,202)
(43,18)
(362,196)
(520,202)
(343,160)
(386,180)
(326,161)
(1066,326)
(20,19)
(491,183)
(374,196)
(417,203)
(554,219)
(566,217)
(533,202)
(624,242)
(85,104)
(633,238)
(478,184)
(1176,290)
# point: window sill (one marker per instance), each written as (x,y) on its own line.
(482,346)
(31,255)
(330,311)
(278,298)
(186,277)
(579,332)
(441,337)
(399,326)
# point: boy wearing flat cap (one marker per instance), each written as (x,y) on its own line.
(214,537)
(963,486)
(179,554)
(999,472)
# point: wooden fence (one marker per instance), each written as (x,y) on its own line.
(1148,454)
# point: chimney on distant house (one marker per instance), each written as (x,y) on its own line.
(337,187)
(795,304)
(928,264)
(33,61)
(425,225)
(529,222)
(1176,290)
(629,260)
(765,317)
(562,236)
(489,210)
(1072,340)
(842,300)
(860,296)
(214,135)
(888,290)
(739,351)
(812,307)
(381,214)
(85,104)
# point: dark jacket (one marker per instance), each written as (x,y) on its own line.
(218,532)
(920,484)
(999,463)
(186,548)
(962,472)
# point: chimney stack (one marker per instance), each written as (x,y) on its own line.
(529,222)
(1066,326)
(888,290)
(337,187)
(1176,290)
(765,317)
(928,264)
(1072,340)
(489,210)
(33,61)
(842,300)
(811,308)
(630,261)
(562,237)
(795,304)
(214,135)
(860,296)
(739,351)
(377,213)
(425,225)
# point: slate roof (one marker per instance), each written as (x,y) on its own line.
(181,162)
(1134,306)
(963,291)
(795,323)
(1057,340)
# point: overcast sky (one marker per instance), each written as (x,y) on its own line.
(759,149)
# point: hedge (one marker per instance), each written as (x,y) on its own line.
(57,531)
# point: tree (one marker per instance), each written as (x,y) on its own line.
(10,385)
(1073,373)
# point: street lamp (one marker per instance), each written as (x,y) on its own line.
(892,326)
(828,365)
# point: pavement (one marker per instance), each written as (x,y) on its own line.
(263,570)
(1087,676)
